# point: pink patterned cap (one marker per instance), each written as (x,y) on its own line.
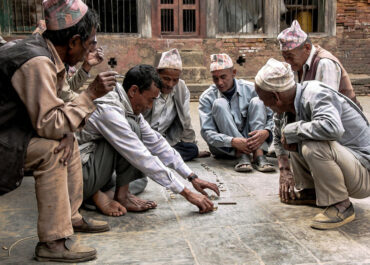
(275,76)
(292,37)
(220,61)
(62,14)
(170,59)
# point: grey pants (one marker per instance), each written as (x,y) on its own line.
(98,172)
(255,120)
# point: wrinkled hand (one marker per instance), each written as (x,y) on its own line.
(66,144)
(286,189)
(241,145)
(202,202)
(200,185)
(103,83)
(95,57)
(257,138)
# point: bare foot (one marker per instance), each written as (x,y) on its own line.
(204,154)
(108,206)
(135,204)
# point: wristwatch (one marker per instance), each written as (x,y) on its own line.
(192,177)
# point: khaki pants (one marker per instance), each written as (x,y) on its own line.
(58,188)
(332,170)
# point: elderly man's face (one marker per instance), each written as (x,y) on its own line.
(78,48)
(169,78)
(141,102)
(270,100)
(297,57)
(224,79)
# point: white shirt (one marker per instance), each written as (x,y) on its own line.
(164,114)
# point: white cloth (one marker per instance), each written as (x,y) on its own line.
(165,113)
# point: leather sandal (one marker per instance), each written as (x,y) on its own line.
(262,165)
(244,164)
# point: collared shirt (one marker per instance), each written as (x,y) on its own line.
(152,155)
(239,110)
(164,113)
(172,116)
(328,71)
(324,114)
(37,83)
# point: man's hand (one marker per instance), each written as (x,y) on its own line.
(202,202)
(288,147)
(200,185)
(103,83)
(241,145)
(256,139)
(286,189)
(66,144)
(93,58)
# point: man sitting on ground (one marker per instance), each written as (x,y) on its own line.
(170,115)
(328,136)
(234,121)
(34,122)
(311,62)
(117,137)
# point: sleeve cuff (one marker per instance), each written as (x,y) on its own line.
(227,141)
(176,185)
(291,133)
(184,171)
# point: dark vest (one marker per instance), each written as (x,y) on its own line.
(15,125)
(345,85)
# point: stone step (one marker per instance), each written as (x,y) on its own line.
(196,89)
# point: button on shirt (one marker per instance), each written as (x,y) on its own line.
(323,114)
(239,109)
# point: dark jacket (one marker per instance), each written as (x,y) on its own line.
(15,125)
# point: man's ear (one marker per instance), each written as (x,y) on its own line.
(234,72)
(276,96)
(133,90)
(307,48)
(74,41)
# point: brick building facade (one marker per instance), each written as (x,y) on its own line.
(345,32)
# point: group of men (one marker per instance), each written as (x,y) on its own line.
(96,148)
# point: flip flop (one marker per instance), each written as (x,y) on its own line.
(246,162)
(262,165)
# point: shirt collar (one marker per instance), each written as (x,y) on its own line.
(124,99)
(219,94)
(310,57)
(58,62)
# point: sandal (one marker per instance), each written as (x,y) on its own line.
(244,164)
(262,165)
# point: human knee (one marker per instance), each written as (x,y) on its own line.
(220,105)
(316,150)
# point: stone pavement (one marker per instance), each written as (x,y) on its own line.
(257,230)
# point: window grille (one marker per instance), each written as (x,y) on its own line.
(309,13)
(240,16)
(167,21)
(21,16)
(116,16)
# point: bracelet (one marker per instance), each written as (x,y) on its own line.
(284,168)
(192,177)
